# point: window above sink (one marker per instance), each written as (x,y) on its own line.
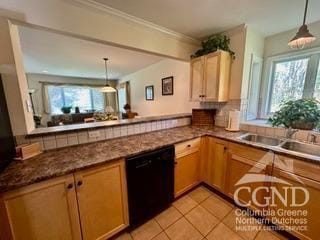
(290,77)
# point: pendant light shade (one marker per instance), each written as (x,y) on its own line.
(303,35)
(107,88)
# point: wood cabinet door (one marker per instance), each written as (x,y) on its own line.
(211,76)
(196,79)
(312,206)
(239,167)
(102,200)
(45,210)
(204,160)
(217,162)
(186,172)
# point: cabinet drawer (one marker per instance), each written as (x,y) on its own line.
(296,166)
(251,153)
(187,147)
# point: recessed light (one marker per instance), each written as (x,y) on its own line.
(44,71)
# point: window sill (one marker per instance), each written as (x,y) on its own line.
(257,122)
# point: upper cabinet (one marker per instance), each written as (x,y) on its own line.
(209,77)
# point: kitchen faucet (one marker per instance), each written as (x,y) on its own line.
(313,138)
(290,132)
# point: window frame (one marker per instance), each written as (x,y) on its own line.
(62,92)
(314,60)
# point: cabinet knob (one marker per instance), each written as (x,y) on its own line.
(175,163)
(70,186)
(188,145)
(225,148)
(79,183)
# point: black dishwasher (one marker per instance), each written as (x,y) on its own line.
(150,184)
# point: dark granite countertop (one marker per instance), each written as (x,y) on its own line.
(68,160)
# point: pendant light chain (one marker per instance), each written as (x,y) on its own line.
(305,12)
(107,88)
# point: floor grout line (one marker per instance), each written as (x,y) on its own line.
(220,221)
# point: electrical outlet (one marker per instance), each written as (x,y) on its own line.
(94,134)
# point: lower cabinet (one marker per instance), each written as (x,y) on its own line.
(311,197)
(247,171)
(102,201)
(93,200)
(238,185)
(217,160)
(46,210)
(187,166)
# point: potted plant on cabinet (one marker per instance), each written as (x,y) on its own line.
(214,43)
(303,114)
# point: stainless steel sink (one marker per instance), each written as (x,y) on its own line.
(261,139)
(301,148)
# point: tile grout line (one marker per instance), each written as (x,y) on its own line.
(171,223)
(195,227)
(212,194)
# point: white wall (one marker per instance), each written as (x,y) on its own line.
(237,44)
(14,80)
(85,20)
(278,43)
(152,75)
(97,22)
(34,82)
(254,45)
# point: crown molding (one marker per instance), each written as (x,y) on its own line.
(93,5)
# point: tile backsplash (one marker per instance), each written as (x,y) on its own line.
(279,132)
(59,140)
(223,108)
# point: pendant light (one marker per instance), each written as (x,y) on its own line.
(303,35)
(107,88)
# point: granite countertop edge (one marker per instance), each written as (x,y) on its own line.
(50,165)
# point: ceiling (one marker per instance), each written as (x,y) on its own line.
(56,54)
(200,18)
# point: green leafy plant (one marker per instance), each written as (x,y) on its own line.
(66,109)
(214,43)
(299,114)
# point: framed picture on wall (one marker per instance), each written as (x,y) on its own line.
(167,86)
(149,93)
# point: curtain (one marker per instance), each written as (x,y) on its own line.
(126,86)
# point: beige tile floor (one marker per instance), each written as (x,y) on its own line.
(199,215)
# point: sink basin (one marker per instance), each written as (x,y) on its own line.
(302,148)
(261,139)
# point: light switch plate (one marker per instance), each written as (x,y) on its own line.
(29,105)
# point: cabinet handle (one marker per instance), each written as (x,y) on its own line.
(175,163)
(70,186)
(79,183)
(188,145)
(225,148)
